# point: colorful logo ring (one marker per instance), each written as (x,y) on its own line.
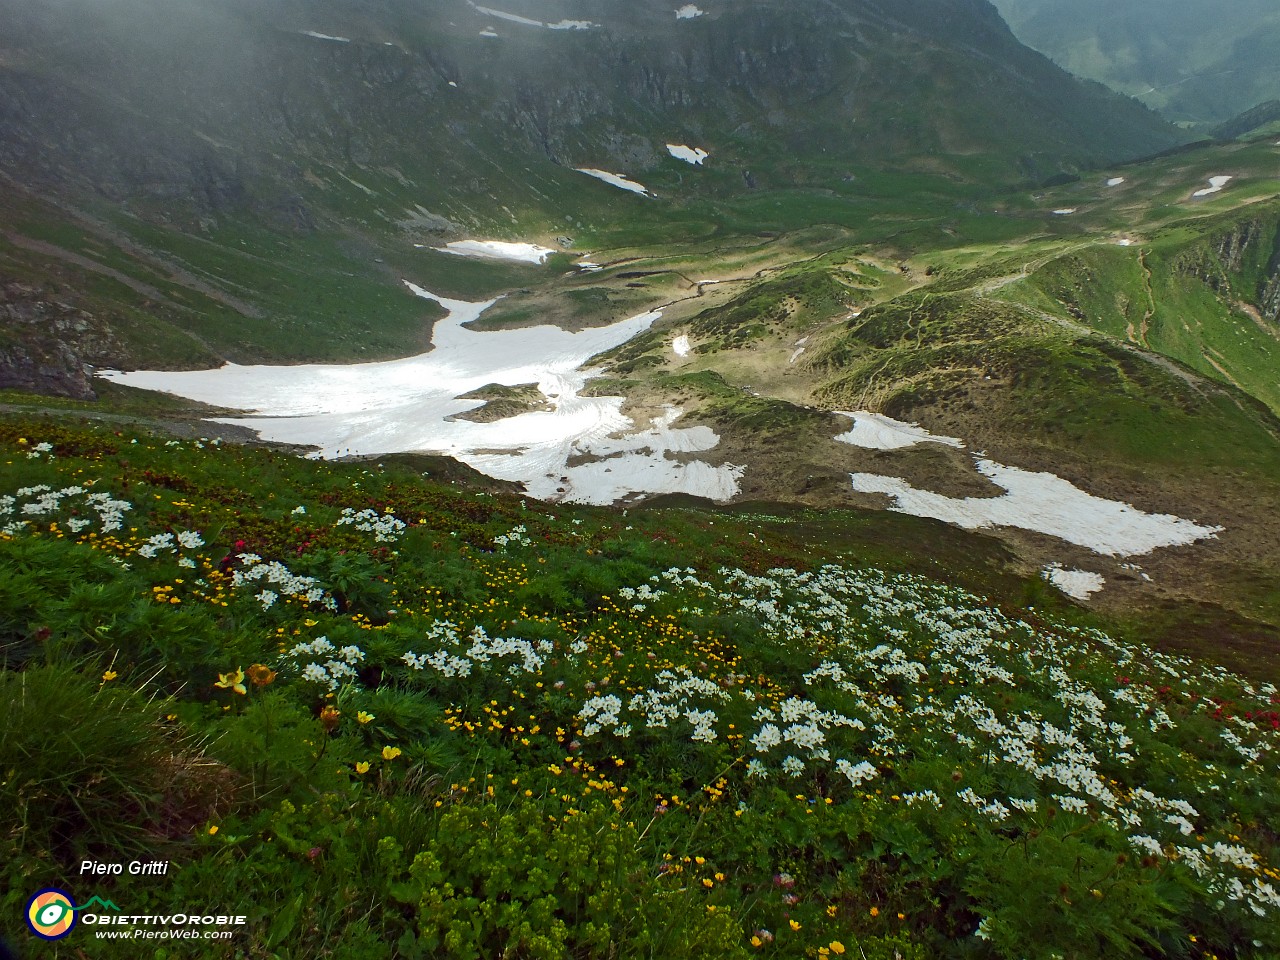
(51,914)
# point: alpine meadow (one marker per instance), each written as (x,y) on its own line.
(583,479)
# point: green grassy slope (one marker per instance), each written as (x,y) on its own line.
(461,724)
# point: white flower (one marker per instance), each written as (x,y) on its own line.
(768,737)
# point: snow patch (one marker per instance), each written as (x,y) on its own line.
(324,36)
(681,345)
(1124,242)
(1115,181)
(1215,186)
(1043,503)
(488,32)
(1079,584)
(694,155)
(873,431)
(412,405)
(616,180)
(1064,212)
(497,250)
(503,15)
(528,21)
(688,12)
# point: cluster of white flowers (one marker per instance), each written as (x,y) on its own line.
(254,572)
(386,528)
(172,543)
(43,502)
(460,655)
(320,661)
(39,450)
(909,669)
(600,713)
(516,536)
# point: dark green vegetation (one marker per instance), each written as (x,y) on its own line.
(1195,63)
(465,725)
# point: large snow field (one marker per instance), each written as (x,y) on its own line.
(409,405)
(497,250)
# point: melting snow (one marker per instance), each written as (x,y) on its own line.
(488,32)
(528,22)
(694,155)
(688,12)
(876,432)
(406,405)
(616,179)
(796,356)
(1065,211)
(681,345)
(1115,181)
(497,250)
(1124,242)
(1215,185)
(502,15)
(1074,583)
(324,36)
(1046,504)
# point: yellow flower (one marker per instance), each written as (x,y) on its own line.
(390,753)
(232,681)
(329,717)
(260,675)
(837,946)
(875,911)
(363,717)
(795,924)
(213,829)
(708,882)
(109,675)
(756,941)
(362,766)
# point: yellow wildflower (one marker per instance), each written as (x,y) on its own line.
(260,675)
(390,753)
(232,681)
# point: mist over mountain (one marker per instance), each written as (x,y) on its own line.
(210,103)
(1195,61)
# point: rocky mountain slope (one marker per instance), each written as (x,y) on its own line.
(214,104)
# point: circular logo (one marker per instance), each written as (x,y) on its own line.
(51,914)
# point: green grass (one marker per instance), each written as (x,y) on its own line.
(418,812)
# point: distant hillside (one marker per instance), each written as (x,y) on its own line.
(1195,62)
(212,104)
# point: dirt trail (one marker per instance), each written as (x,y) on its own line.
(1151,301)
